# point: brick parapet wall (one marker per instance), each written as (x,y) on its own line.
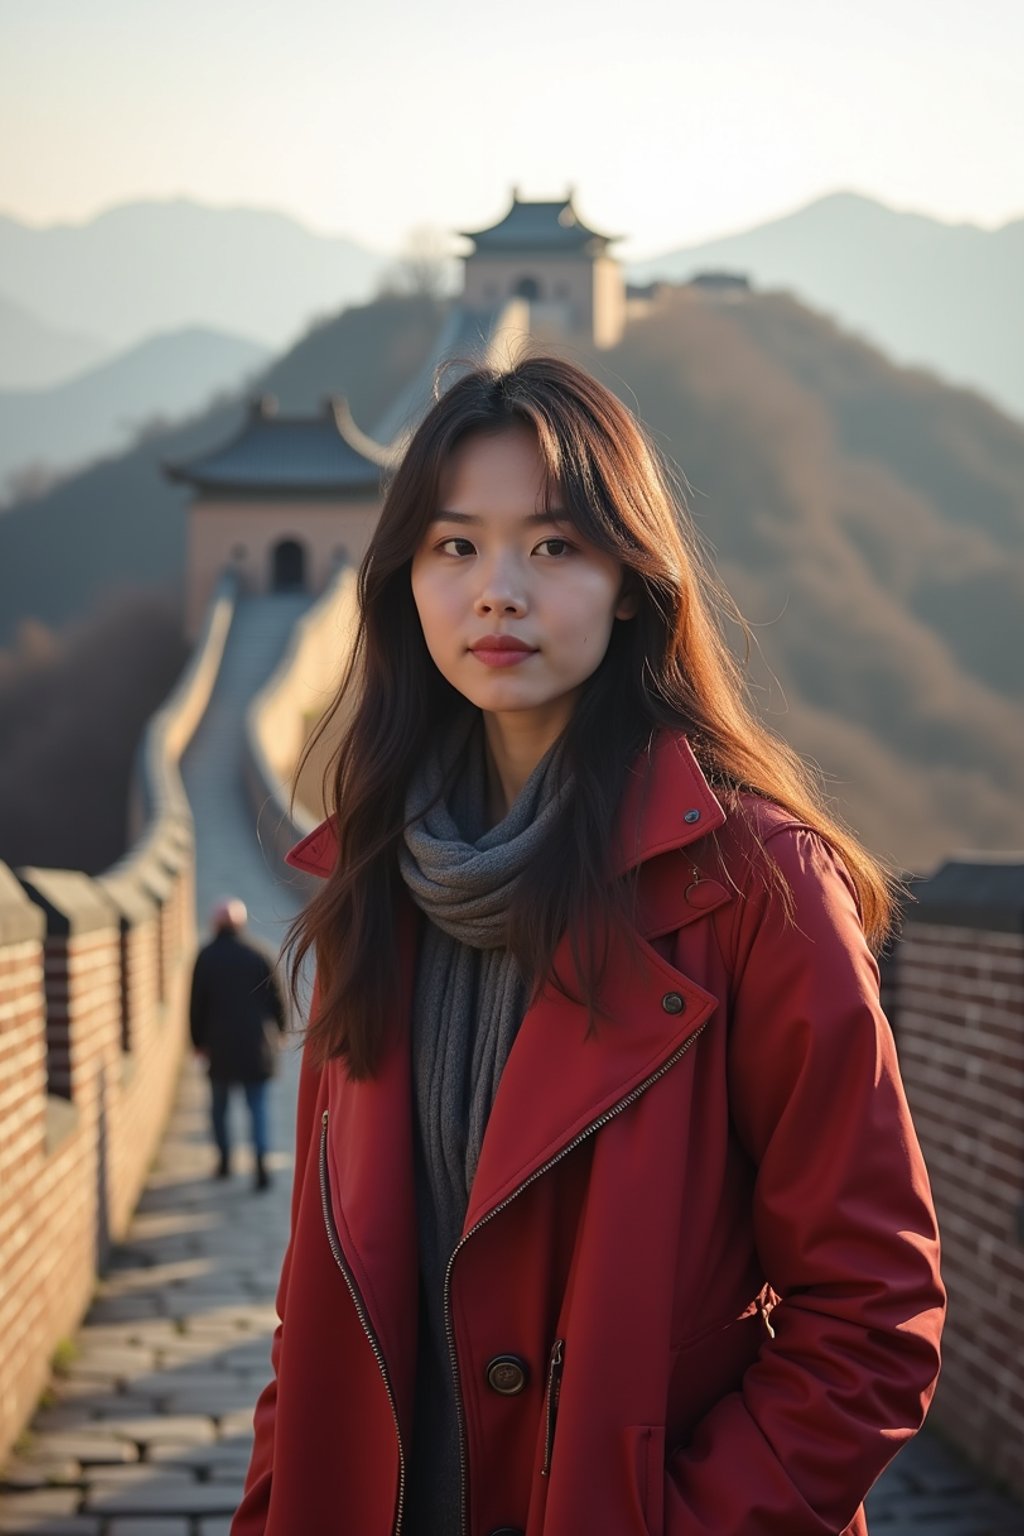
(94,978)
(957,1006)
(276,719)
(82,1112)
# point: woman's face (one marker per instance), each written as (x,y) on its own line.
(492,563)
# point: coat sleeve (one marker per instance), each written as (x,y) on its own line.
(276,997)
(250,1518)
(843,1221)
(197,1005)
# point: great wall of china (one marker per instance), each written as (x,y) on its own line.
(94,1032)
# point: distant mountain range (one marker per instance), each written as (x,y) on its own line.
(102,409)
(868,519)
(939,296)
(145,268)
(34,354)
(947,297)
(120,522)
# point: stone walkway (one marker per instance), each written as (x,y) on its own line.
(149,1427)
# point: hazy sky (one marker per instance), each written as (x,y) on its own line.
(675,122)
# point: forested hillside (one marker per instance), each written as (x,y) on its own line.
(868,520)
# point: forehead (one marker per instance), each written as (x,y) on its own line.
(502,471)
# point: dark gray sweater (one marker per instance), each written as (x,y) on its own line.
(433,1476)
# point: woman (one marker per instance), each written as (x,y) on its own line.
(608,1212)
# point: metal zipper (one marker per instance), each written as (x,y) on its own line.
(569,1147)
(335,1245)
(551,1401)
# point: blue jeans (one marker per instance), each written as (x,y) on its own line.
(256,1098)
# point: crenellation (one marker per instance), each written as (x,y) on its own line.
(959,1006)
(92,976)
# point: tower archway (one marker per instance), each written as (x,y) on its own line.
(288,566)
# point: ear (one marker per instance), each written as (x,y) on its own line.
(629,603)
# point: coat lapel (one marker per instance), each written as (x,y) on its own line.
(556,1083)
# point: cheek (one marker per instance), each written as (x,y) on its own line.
(584,615)
(428,599)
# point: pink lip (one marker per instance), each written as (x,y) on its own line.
(501,643)
(500,658)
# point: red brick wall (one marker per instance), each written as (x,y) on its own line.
(959,1018)
(98,971)
(73,1160)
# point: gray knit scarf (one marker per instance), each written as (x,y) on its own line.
(468,1003)
(469,995)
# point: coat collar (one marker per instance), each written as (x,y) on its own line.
(667,803)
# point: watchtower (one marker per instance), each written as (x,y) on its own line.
(544,253)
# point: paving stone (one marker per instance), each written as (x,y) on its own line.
(169,1224)
(139,1475)
(44,1470)
(162,1496)
(158,1427)
(55,1525)
(189,1348)
(230,1474)
(89,1448)
(119,1358)
(189,1375)
(123,1309)
(199,1458)
(37,1504)
(167,1274)
(142,1527)
(63,1415)
(224,1398)
(222,1325)
(238,1422)
(74,1389)
(119,1405)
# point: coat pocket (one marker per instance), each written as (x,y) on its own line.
(707,1368)
(551,1393)
(645,1449)
(762,1304)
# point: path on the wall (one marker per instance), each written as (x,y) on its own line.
(150,1425)
(463,333)
(230,857)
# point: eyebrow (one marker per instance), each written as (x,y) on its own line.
(556,515)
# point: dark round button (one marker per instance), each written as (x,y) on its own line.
(692,816)
(673,1002)
(507,1374)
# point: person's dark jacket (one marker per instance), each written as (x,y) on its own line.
(236,1003)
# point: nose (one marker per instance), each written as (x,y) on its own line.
(500,590)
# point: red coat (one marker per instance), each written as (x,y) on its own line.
(706,1236)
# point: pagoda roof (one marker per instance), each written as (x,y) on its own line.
(311,455)
(549,227)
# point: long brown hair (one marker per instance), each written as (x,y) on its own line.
(667,666)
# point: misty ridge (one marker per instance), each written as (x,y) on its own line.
(867,518)
(150,310)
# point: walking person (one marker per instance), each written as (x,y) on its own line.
(608,1216)
(237,1014)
